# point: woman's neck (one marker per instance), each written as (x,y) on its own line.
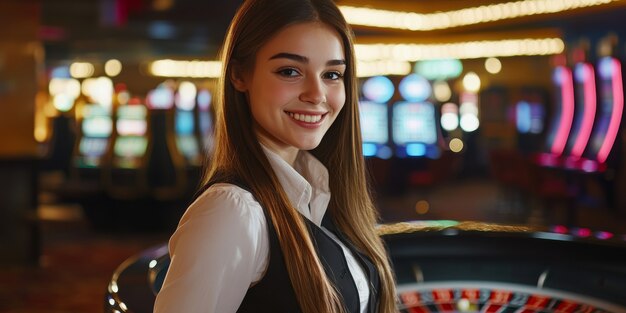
(287,153)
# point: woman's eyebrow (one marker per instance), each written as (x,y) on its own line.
(303,59)
(336,62)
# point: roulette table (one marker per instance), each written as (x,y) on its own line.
(478,267)
(449,266)
(489,297)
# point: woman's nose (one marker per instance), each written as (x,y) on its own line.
(313,92)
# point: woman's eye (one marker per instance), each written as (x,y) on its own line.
(288,72)
(333,75)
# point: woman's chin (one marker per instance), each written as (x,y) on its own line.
(308,145)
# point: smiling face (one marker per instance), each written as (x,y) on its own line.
(296,88)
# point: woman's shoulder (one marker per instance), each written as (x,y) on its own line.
(227,190)
(225,199)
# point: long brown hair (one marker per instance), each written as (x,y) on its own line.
(239,155)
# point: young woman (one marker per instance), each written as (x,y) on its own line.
(285,222)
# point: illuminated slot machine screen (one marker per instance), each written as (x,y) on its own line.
(206,129)
(523,119)
(610,111)
(530,111)
(205,122)
(374,129)
(414,128)
(96,128)
(529,117)
(131,143)
(584,112)
(185,137)
(537,117)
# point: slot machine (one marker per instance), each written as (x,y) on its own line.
(584,112)
(187,132)
(599,163)
(373,111)
(415,136)
(414,127)
(92,157)
(549,181)
(529,119)
(166,172)
(94,132)
(374,121)
(609,118)
(186,140)
(562,117)
(594,124)
(374,129)
(414,121)
(96,128)
(64,93)
(128,178)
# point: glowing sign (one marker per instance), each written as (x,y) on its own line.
(378,89)
(161,98)
(449,116)
(204,99)
(415,88)
(439,69)
(186,96)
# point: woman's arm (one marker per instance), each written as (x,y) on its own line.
(219,248)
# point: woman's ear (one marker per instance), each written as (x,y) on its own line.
(237,78)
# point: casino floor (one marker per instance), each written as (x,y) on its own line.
(76,262)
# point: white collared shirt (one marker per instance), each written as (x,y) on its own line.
(221,245)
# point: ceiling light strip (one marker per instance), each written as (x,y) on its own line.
(468,16)
(460,50)
(184,68)
(382,67)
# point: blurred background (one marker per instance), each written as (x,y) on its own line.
(493,111)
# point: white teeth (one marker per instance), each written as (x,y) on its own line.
(305,118)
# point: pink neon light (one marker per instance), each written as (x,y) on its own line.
(583,232)
(567,110)
(616,117)
(560,229)
(589,87)
(604,235)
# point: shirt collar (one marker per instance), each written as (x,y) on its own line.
(306,183)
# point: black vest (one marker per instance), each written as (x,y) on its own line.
(274,292)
